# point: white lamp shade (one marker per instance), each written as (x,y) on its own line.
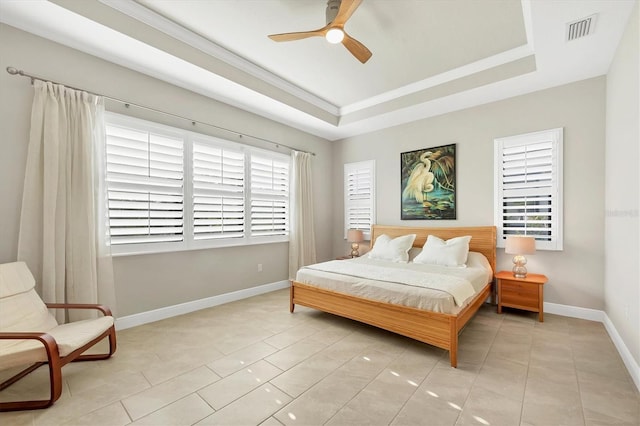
(355,236)
(520,245)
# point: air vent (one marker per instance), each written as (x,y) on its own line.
(581,28)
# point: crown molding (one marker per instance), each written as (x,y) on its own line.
(454,74)
(160,23)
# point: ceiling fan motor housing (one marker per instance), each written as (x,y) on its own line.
(332,10)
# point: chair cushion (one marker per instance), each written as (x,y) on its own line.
(21,309)
(69,337)
(25,312)
(15,278)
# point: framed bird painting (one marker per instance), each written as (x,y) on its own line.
(428,183)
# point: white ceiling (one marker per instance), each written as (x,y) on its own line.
(411,40)
(429,56)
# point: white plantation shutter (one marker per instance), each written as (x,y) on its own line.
(269,195)
(145,184)
(218,192)
(359,196)
(170,189)
(528,173)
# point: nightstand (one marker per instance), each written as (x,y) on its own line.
(521,293)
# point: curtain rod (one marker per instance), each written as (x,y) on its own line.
(15,71)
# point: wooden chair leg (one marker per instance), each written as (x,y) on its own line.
(55,390)
(55,384)
(55,364)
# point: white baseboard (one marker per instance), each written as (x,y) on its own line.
(574,312)
(625,354)
(599,316)
(195,305)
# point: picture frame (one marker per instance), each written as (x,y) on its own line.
(428,183)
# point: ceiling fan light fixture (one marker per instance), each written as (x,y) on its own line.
(334,35)
(338,13)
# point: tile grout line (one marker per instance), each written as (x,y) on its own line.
(417,388)
(293,398)
(458,418)
(368,383)
(575,370)
(526,380)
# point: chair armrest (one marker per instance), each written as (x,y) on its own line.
(50,344)
(104,309)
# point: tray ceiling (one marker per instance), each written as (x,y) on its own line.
(429,57)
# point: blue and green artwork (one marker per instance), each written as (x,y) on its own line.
(428,179)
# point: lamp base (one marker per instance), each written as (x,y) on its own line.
(354,249)
(519,270)
(519,274)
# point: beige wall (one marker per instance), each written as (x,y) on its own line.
(575,274)
(622,185)
(148,281)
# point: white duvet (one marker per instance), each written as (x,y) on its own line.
(459,288)
(478,273)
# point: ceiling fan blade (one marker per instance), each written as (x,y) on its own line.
(347,7)
(299,35)
(356,48)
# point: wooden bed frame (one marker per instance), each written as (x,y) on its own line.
(437,329)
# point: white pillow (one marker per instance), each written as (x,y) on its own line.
(452,252)
(394,250)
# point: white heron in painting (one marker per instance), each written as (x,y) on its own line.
(420,180)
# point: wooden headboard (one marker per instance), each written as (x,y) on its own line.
(483,238)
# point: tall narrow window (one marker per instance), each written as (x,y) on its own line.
(359,196)
(145,182)
(269,195)
(218,192)
(528,181)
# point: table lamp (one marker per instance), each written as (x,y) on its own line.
(355,237)
(519,246)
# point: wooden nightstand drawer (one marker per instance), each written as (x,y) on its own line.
(519,289)
(519,296)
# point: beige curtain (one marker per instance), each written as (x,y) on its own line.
(302,240)
(63,225)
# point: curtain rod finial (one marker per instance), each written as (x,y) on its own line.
(12,71)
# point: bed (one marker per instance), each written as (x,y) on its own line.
(436,328)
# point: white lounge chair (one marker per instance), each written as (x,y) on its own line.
(30,335)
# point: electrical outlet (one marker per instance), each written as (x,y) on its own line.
(259,267)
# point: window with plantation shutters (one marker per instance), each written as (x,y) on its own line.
(528,179)
(359,196)
(170,189)
(145,183)
(269,195)
(218,192)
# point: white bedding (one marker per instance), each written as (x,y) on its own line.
(477,274)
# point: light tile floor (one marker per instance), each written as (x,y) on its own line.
(252,362)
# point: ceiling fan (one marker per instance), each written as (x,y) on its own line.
(338,13)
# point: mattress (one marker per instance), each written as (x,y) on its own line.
(478,273)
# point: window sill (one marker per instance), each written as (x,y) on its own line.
(120,251)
